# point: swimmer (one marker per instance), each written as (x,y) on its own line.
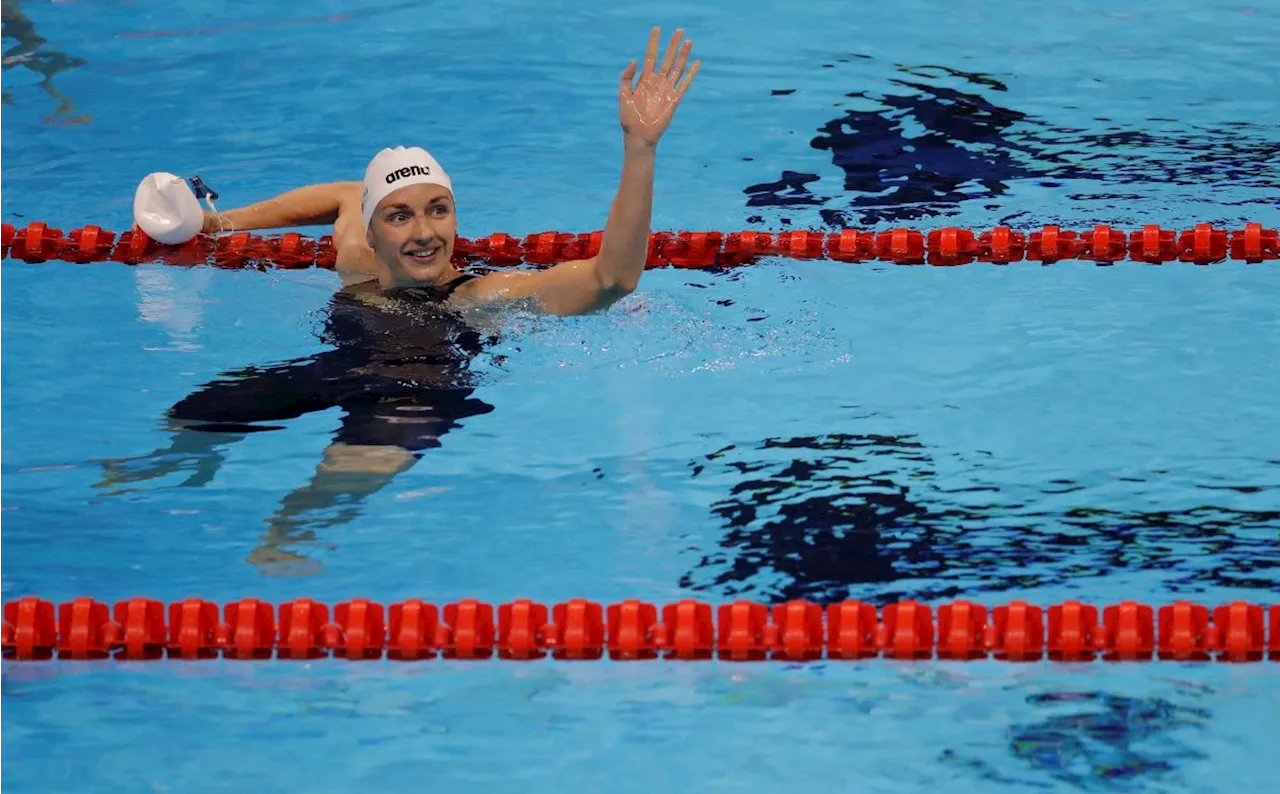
(400,224)
(30,52)
(398,328)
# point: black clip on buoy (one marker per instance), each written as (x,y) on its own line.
(201,189)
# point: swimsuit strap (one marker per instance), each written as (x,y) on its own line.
(448,289)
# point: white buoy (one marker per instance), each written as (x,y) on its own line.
(166,209)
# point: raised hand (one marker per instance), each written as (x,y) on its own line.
(645,107)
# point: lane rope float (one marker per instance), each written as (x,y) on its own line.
(688,629)
(1202,245)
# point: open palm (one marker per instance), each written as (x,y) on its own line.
(646,106)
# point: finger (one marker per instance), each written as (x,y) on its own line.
(672,49)
(651,54)
(674,73)
(628,75)
(688,78)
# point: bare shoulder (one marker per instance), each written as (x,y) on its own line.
(571,287)
(504,289)
(503,279)
(519,283)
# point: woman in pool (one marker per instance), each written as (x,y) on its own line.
(400,344)
(399,226)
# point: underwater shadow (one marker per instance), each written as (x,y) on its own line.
(844,515)
(942,138)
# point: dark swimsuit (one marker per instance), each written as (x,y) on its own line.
(399,370)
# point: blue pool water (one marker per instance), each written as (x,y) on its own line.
(791,429)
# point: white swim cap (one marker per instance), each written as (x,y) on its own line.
(166,210)
(395,168)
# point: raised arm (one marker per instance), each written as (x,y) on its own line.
(645,110)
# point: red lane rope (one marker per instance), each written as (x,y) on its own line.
(1202,245)
(686,630)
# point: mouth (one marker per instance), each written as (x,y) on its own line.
(424,256)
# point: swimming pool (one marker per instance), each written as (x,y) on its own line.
(789,429)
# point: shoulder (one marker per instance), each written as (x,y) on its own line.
(497,287)
(360,293)
(355,277)
(572,287)
(525,283)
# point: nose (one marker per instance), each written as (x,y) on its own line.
(423,231)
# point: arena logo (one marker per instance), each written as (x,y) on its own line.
(412,170)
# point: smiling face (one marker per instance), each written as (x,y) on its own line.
(412,233)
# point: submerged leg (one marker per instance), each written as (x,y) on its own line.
(344,479)
(221,413)
(377,441)
(198,452)
(30,51)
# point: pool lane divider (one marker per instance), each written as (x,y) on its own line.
(1202,245)
(686,630)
